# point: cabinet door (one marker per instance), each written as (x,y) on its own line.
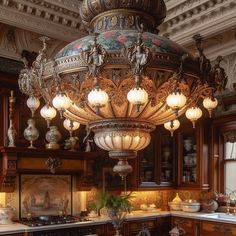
(190,226)
(189,158)
(147,164)
(166,158)
(157,162)
(193,157)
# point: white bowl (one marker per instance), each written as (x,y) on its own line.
(191,206)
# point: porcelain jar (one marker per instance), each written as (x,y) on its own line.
(6,214)
(53,136)
(31,133)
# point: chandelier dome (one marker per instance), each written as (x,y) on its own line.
(92,11)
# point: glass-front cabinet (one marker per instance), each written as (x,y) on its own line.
(181,161)
(147,162)
(189,158)
(167,159)
(157,163)
(193,157)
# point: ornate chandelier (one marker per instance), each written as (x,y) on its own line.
(123,79)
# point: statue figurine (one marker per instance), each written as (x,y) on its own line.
(94,58)
(11,133)
(88,140)
(138,55)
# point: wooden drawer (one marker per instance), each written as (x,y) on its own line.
(136,226)
(216,228)
(183,222)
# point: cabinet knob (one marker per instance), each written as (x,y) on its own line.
(227,230)
(217,228)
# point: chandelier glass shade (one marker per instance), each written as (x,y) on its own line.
(123,79)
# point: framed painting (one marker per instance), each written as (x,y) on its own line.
(45,194)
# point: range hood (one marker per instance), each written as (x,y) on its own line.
(15,161)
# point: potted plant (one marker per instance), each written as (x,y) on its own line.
(117,207)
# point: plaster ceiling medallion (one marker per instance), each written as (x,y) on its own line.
(123,79)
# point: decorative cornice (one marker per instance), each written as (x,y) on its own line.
(55,18)
(186,18)
(14,40)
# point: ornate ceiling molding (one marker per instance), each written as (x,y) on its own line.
(58,19)
(14,40)
(186,18)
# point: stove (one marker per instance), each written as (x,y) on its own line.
(51,220)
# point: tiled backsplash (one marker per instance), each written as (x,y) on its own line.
(81,199)
(159,197)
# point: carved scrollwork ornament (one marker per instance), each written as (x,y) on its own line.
(204,63)
(230,136)
(53,163)
(218,78)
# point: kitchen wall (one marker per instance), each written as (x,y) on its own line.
(81,199)
(159,197)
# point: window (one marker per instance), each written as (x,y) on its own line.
(230,161)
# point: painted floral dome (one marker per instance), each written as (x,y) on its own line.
(116,40)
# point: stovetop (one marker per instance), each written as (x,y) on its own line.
(51,220)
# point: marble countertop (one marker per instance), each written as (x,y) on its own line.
(136,215)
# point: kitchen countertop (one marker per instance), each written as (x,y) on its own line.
(136,215)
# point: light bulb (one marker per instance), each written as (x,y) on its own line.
(33,104)
(61,102)
(48,113)
(193,114)
(172,126)
(210,104)
(97,98)
(137,96)
(71,125)
(176,100)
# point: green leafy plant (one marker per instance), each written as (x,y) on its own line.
(111,202)
(117,202)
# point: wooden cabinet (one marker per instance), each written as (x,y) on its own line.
(210,228)
(193,157)
(157,163)
(190,226)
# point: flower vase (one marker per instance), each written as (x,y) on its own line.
(53,136)
(31,133)
(117,217)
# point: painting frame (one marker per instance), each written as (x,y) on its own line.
(41,194)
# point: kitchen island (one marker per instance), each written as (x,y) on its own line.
(158,223)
